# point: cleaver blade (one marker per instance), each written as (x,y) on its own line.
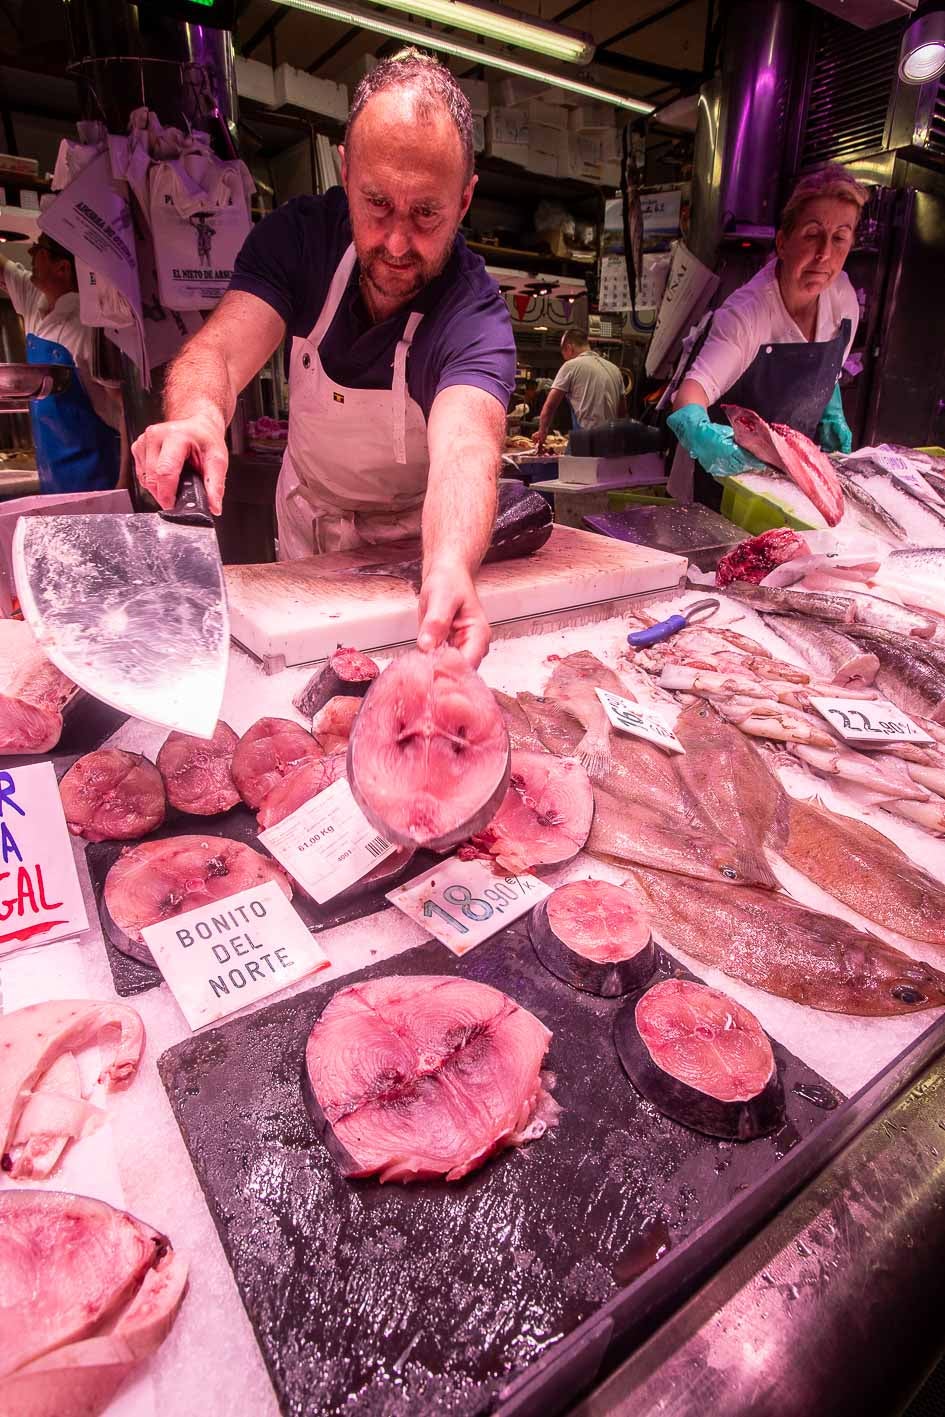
(132,607)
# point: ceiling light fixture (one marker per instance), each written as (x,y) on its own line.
(922,54)
(496,23)
(446,44)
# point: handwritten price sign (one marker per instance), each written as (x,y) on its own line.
(870,723)
(40,894)
(641,722)
(462,903)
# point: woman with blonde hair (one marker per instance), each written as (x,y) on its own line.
(777,344)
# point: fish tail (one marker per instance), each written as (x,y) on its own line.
(753,869)
(594,755)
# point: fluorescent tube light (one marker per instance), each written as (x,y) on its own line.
(497,24)
(446,44)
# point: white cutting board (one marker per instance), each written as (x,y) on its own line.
(299,611)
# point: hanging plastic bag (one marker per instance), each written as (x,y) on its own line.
(199,209)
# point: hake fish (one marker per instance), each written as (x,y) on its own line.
(865,870)
(912,672)
(837,608)
(726,773)
(832,655)
(773,944)
(854,489)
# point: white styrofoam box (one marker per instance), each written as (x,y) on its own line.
(611,146)
(477,91)
(507,134)
(548,113)
(294,86)
(640,467)
(584,157)
(255,80)
(542,164)
(592,116)
(510,91)
(478,133)
(547,149)
(610,174)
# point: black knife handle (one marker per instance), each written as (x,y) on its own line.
(191,507)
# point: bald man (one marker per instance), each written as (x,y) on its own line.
(402,356)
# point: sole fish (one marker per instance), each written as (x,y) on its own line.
(773,944)
(726,773)
(572,686)
(865,870)
(644,812)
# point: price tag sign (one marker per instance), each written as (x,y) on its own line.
(40,894)
(328,843)
(641,722)
(462,903)
(870,722)
(907,472)
(237,951)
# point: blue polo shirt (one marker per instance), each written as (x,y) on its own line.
(465,336)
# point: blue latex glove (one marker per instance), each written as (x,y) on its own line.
(710,443)
(833,431)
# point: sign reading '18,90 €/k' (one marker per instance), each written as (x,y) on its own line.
(462,903)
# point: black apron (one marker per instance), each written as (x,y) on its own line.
(784,383)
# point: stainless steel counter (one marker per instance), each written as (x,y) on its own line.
(835,1307)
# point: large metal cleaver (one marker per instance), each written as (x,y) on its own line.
(132,607)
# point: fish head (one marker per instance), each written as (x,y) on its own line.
(742,867)
(915,986)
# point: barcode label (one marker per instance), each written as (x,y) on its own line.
(328,843)
(377,847)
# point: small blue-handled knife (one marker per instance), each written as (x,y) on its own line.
(665,629)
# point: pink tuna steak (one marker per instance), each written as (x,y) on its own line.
(416,1077)
(428,759)
(197,773)
(309,779)
(701,1059)
(545,817)
(269,751)
(159,879)
(86,1292)
(792,453)
(112,795)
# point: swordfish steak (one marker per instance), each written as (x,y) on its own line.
(414,1077)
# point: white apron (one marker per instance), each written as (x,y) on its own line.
(355,466)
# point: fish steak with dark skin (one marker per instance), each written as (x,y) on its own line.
(418,1076)
(701,1059)
(595,936)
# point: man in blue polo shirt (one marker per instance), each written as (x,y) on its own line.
(402,357)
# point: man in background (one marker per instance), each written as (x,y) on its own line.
(76,433)
(592,386)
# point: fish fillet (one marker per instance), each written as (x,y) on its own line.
(86,1291)
(31,1041)
(33,693)
(791,452)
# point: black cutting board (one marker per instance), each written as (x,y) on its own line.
(428,1299)
(130,976)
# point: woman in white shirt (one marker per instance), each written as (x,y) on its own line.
(777,345)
